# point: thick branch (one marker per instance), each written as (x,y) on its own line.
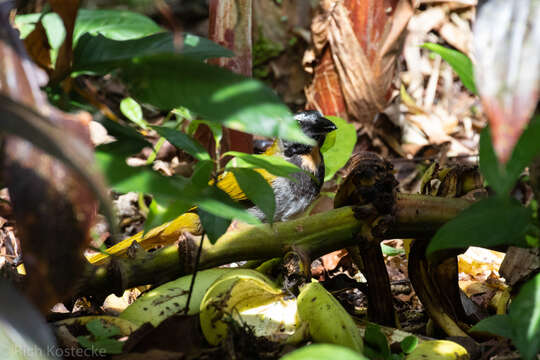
(316,235)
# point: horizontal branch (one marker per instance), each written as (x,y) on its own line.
(316,235)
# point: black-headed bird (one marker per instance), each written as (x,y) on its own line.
(293,195)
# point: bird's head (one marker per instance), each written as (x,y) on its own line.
(314,125)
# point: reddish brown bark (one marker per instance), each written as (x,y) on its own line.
(230,26)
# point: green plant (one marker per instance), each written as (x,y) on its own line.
(499,220)
(101,337)
(377,347)
(133,49)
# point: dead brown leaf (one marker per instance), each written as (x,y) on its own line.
(53,208)
(365,38)
(67,9)
(38,47)
(331,260)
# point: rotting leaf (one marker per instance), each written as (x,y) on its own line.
(38,47)
(67,9)
(365,39)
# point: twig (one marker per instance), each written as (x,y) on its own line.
(197,259)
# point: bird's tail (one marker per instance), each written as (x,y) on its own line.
(165,234)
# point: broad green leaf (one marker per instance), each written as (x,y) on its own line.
(109,346)
(257,190)
(338,146)
(161,213)
(99,54)
(408,344)
(323,352)
(124,178)
(214,226)
(461,64)
(216,94)
(522,324)
(167,189)
(502,179)
(376,343)
(496,324)
(202,173)
(218,203)
(489,222)
(132,110)
(163,210)
(273,164)
(526,149)
(100,330)
(490,166)
(391,251)
(184,142)
(113,24)
(525,318)
(129,140)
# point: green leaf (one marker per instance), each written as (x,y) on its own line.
(522,324)
(461,64)
(129,139)
(525,318)
(375,339)
(101,330)
(99,54)
(109,346)
(113,24)
(526,149)
(184,142)
(218,203)
(273,164)
(391,251)
(338,146)
(323,352)
(168,189)
(163,210)
(159,214)
(489,165)
(124,178)
(202,173)
(496,324)
(408,344)
(257,190)
(216,94)
(214,226)
(54,27)
(489,222)
(132,110)
(503,179)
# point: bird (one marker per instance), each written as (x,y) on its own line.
(293,195)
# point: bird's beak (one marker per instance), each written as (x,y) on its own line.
(324,126)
